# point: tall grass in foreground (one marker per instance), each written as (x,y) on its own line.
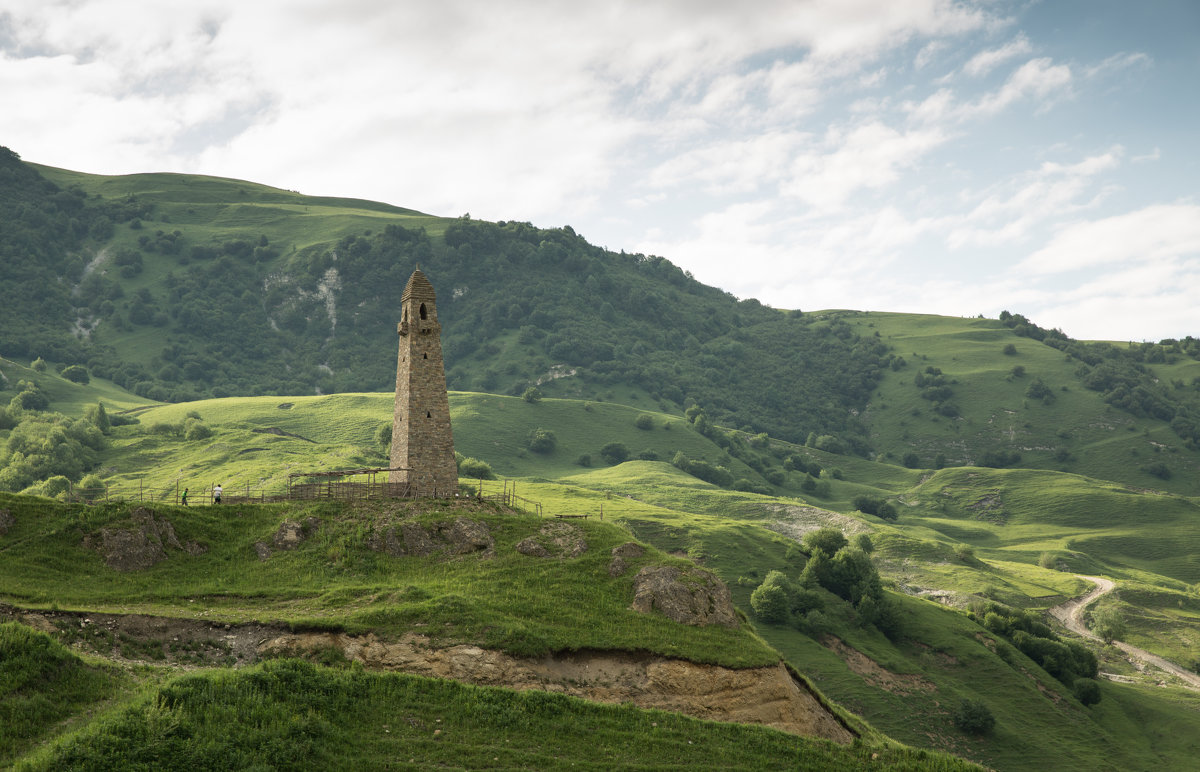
(41,684)
(289,714)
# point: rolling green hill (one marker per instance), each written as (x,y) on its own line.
(163,332)
(179,287)
(963,536)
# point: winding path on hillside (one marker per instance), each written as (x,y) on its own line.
(1071,615)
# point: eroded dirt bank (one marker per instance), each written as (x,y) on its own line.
(769,696)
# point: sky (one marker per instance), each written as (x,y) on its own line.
(926,156)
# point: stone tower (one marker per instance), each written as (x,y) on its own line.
(422,445)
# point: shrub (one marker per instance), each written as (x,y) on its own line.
(38,365)
(542,440)
(584,460)
(1047,560)
(91,488)
(644,421)
(195,430)
(912,460)
(532,395)
(473,467)
(648,455)
(383,435)
(1158,469)
(1086,690)
(772,600)
(973,717)
(76,373)
(614,453)
(828,540)
(98,416)
(863,542)
(1108,624)
(1010,350)
(868,505)
(770,603)
(887,511)
(964,552)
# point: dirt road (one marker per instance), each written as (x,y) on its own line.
(1071,615)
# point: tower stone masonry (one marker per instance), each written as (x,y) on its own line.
(422,443)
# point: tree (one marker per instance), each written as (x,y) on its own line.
(542,440)
(770,603)
(868,505)
(383,435)
(828,540)
(644,421)
(91,488)
(98,416)
(38,365)
(614,453)
(1010,350)
(974,717)
(473,467)
(1108,624)
(532,395)
(1087,690)
(912,460)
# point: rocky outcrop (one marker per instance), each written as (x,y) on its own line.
(621,554)
(139,547)
(554,540)
(691,597)
(767,695)
(462,536)
(290,535)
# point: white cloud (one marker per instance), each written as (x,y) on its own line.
(1008,212)
(869,156)
(985,61)
(1036,79)
(1153,233)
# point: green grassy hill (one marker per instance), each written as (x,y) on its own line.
(163,332)
(963,536)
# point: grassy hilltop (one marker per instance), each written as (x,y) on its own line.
(962,534)
(161,332)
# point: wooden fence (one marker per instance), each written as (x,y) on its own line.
(501,492)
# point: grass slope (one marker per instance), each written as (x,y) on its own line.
(1072,431)
(962,533)
(288,714)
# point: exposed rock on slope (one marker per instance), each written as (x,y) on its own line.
(460,537)
(139,547)
(554,540)
(692,597)
(768,695)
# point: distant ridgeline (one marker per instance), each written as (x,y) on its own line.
(1119,373)
(228,314)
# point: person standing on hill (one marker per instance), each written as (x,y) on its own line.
(184,499)
(217,493)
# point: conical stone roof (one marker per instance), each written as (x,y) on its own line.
(418,288)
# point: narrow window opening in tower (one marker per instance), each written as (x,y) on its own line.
(427,415)
(423,312)
(405,317)
(424,356)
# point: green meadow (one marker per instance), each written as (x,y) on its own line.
(963,535)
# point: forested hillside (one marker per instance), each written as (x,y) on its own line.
(179,287)
(183,295)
